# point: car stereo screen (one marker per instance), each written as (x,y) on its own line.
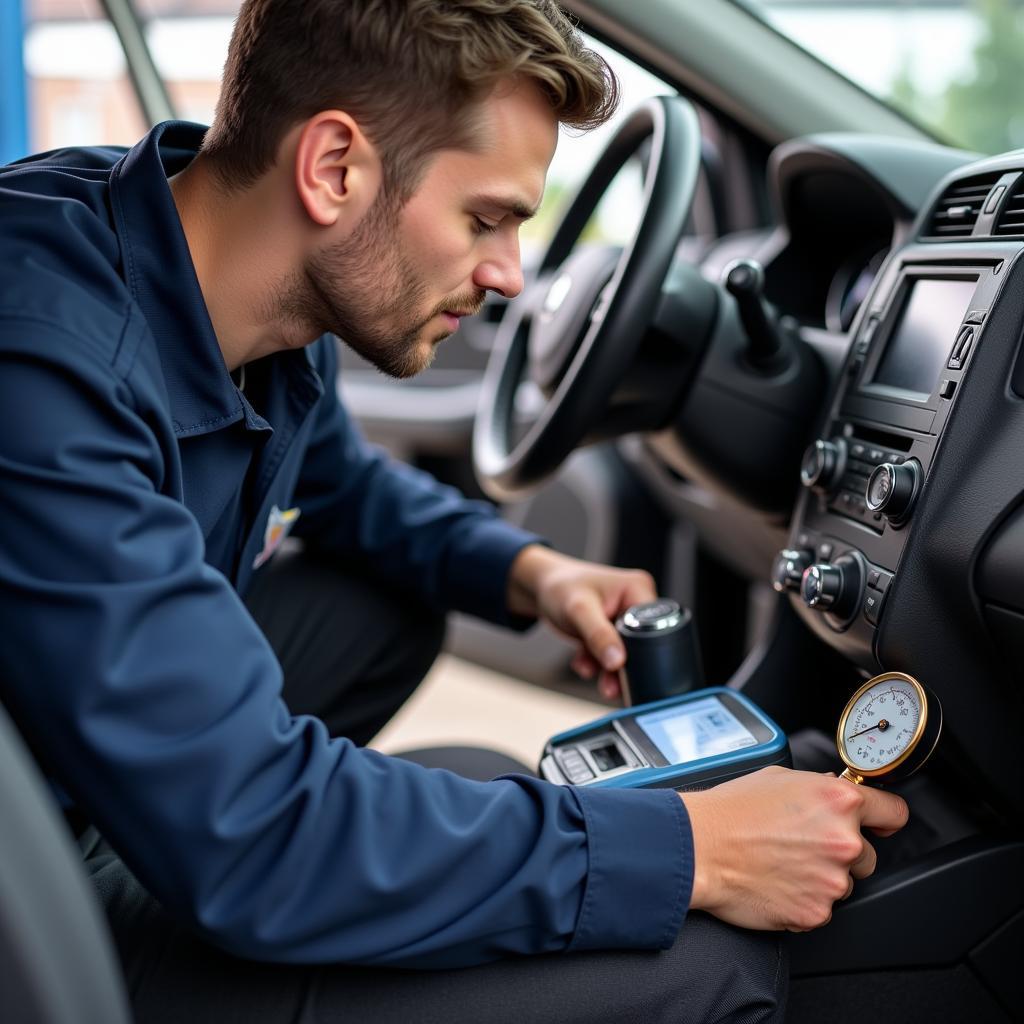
(695,729)
(920,345)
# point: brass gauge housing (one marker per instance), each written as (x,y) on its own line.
(888,729)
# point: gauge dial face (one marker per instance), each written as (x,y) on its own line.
(882,724)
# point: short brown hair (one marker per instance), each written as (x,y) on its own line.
(409,71)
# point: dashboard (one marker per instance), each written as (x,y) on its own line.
(899,266)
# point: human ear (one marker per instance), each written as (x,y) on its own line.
(337,170)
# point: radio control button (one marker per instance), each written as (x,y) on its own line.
(851,503)
(879,579)
(872,606)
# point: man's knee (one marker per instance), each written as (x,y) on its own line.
(742,975)
(419,633)
(351,647)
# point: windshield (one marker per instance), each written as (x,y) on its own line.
(954,66)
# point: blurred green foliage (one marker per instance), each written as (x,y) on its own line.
(986,110)
(982,110)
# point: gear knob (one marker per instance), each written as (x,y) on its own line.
(662,652)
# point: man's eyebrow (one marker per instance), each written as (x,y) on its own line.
(514,206)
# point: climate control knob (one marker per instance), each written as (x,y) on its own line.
(823,464)
(788,568)
(821,586)
(892,489)
(834,588)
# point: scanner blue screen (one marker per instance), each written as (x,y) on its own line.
(698,728)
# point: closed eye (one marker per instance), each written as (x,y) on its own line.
(481,226)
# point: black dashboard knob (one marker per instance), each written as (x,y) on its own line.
(788,568)
(892,489)
(833,587)
(821,586)
(823,464)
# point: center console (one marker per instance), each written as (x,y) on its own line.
(868,470)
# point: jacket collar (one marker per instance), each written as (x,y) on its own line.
(159,272)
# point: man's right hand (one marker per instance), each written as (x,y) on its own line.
(775,849)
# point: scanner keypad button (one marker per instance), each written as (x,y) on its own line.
(576,768)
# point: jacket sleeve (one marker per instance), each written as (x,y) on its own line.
(152,698)
(375,511)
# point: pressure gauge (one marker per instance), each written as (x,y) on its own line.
(888,729)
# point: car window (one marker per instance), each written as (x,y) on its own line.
(80,93)
(953,66)
(189,42)
(78,90)
(615,217)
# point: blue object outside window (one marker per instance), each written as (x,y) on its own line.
(13,116)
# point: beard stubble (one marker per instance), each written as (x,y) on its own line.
(367,291)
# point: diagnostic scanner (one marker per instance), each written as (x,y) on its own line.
(692,741)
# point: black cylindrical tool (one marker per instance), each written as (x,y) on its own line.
(662,652)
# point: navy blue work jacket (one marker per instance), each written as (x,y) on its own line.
(129,522)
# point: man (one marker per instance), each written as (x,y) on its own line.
(168,414)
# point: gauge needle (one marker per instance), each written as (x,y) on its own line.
(882,724)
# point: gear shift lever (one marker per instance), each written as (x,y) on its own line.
(766,344)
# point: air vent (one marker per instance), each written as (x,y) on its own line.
(958,209)
(1011,220)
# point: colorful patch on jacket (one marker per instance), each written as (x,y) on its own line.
(279,525)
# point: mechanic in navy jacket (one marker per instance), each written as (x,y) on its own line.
(169,413)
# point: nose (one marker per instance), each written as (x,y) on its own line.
(501,272)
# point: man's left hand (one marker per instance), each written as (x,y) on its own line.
(581,600)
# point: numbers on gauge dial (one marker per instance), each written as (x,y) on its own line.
(882,724)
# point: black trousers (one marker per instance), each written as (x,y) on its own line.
(352,654)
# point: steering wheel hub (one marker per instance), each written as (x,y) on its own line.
(568,309)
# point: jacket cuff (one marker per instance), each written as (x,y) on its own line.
(476,580)
(640,874)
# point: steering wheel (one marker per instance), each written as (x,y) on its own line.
(581,324)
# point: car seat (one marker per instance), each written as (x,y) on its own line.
(57,961)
